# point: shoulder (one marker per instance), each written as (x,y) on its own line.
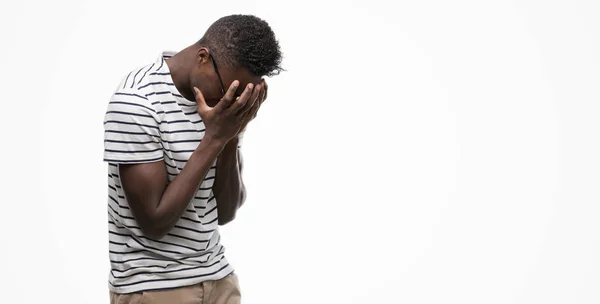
(137,77)
(132,90)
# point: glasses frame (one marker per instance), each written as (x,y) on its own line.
(217,72)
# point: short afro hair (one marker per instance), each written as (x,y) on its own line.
(244,41)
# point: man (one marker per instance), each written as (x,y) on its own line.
(172,134)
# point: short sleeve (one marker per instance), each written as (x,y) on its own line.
(131,129)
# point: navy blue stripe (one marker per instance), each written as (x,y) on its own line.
(183,131)
(209,212)
(129,113)
(193,230)
(175,159)
(137,267)
(191,220)
(139,259)
(175,111)
(199,255)
(131,94)
(161,64)
(134,238)
(188,238)
(145,73)
(180,151)
(182,141)
(162,73)
(126,252)
(128,132)
(134,77)
(117,213)
(175,121)
(114,200)
(158,93)
(166,243)
(180,120)
(216,218)
(131,104)
(130,123)
(120,226)
(134,151)
(171,279)
(129,142)
(176,226)
(170,166)
(155,83)
(166,271)
(127,79)
(131,161)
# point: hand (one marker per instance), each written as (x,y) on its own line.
(224,121)
(258,97)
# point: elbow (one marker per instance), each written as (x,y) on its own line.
(153,232)
(227,216)
(225,220)
(153,228)
(227,209)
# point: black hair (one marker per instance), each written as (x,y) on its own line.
(244,41)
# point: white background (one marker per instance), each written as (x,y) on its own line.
(414,151)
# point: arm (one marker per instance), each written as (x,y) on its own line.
(131,140)
(157,206)
(229,188)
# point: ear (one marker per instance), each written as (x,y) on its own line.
(202,55)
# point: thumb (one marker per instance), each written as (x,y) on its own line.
(202,106)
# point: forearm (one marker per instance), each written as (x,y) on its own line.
(182,189)
(229,187)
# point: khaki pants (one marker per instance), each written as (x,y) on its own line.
(224,291)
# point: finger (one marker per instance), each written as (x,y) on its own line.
(202,106)
(255,110)
(241,101)
(228,99)
(266,89)
(250,115)
(252,101)
(263,94)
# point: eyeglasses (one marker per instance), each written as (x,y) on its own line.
(218,75)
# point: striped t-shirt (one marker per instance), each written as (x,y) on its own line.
(148,120)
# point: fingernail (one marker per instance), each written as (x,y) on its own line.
(250,86)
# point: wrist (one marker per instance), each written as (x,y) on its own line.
(233,142)
(213,143)
(230,148)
